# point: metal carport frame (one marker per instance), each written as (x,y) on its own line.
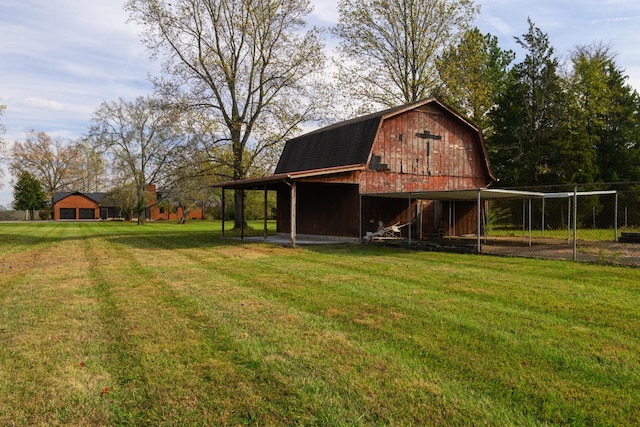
(478,194)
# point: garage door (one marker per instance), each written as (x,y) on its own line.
(67,213)
(87,213)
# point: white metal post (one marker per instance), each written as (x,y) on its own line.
(479,208)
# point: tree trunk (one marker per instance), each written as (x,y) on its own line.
(238,173)
(239,210)
(141,208)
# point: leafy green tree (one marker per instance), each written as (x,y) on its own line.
(610,113)
(388,48)
(28,194)
(524,146)
(473,74)
(588,100)
(248,68)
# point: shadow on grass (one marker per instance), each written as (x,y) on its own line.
(168,235)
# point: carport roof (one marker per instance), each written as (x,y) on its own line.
(463,195)
(278,179)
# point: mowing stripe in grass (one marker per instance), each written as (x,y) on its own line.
(471,336)
(190,329)
(218,359)
(319,325)
(46,331)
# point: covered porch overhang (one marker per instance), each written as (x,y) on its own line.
(277,182)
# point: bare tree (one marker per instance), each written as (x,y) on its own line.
(141,137)
(2,142)
(247,67)
(52,162)
(90,169)
(388,48)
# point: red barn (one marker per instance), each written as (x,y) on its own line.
(346,179)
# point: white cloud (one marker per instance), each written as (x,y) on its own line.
(501,26)
(614,20)
(42,103)
(325,11)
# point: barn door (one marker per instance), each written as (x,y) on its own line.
(438,218)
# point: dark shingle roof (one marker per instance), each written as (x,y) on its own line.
(346,143)
(341,144)
(96,197)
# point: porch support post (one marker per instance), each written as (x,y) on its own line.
(359,214)
(478,225)
(615,221)
(242,215)
(265,212)
(222,211)
(409,215)
(293,213)
(529,221)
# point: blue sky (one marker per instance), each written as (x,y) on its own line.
(59,59)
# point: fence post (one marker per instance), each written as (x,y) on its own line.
(478,224)
(615,221)
(569,220)
(575,222)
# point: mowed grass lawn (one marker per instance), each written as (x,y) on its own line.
(167,324)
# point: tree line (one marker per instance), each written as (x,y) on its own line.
(240,77)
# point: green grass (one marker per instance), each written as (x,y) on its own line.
(586,234)
(166,324)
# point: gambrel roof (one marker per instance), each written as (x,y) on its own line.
(350,142)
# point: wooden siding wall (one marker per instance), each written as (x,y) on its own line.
(388,211)
(433,224)
(322,209)
(455,161)
(463,216)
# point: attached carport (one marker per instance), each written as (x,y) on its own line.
(479,195)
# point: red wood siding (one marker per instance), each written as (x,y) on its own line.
(456,161)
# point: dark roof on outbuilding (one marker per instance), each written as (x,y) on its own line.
(344,143)
(96,197)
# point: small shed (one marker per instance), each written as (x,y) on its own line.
(334,181)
